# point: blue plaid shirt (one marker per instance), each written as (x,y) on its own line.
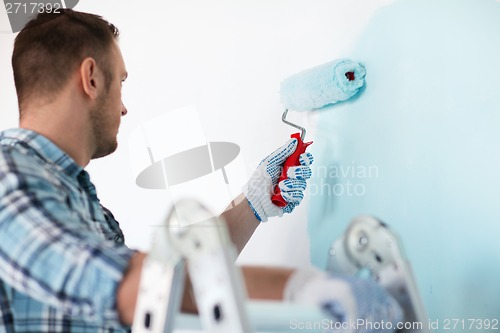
(62,254)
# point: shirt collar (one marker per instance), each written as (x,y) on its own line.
(43,147)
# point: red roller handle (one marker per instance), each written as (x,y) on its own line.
(292,160)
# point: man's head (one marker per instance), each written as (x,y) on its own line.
(54,49)
(52,46)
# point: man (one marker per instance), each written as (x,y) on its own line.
(63,262)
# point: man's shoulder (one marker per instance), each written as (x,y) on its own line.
(22,151)
(15,157)
(20,167)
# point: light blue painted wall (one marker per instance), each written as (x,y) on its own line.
(426,134)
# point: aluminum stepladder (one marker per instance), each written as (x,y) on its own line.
(205,249)
(370,246)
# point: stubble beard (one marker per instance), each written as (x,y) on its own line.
(105,141)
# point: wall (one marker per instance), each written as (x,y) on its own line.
(421,145)
(426,122)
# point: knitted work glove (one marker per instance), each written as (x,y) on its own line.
(352,304)
(261,184)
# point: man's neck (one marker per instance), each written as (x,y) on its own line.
(66,127)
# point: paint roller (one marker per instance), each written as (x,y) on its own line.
(314,89)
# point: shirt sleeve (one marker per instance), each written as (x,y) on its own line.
(47,253)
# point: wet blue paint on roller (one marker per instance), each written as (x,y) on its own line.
(322,85)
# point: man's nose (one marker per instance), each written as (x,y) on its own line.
(124,109)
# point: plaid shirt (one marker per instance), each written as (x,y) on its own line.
(62,254)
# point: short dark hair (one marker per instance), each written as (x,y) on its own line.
(52,45)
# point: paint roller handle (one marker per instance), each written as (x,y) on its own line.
(292,160)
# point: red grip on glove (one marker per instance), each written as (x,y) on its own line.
(292,160)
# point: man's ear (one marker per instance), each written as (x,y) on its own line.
(90,77)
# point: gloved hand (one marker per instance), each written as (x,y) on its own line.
(260,187)
(352,304)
